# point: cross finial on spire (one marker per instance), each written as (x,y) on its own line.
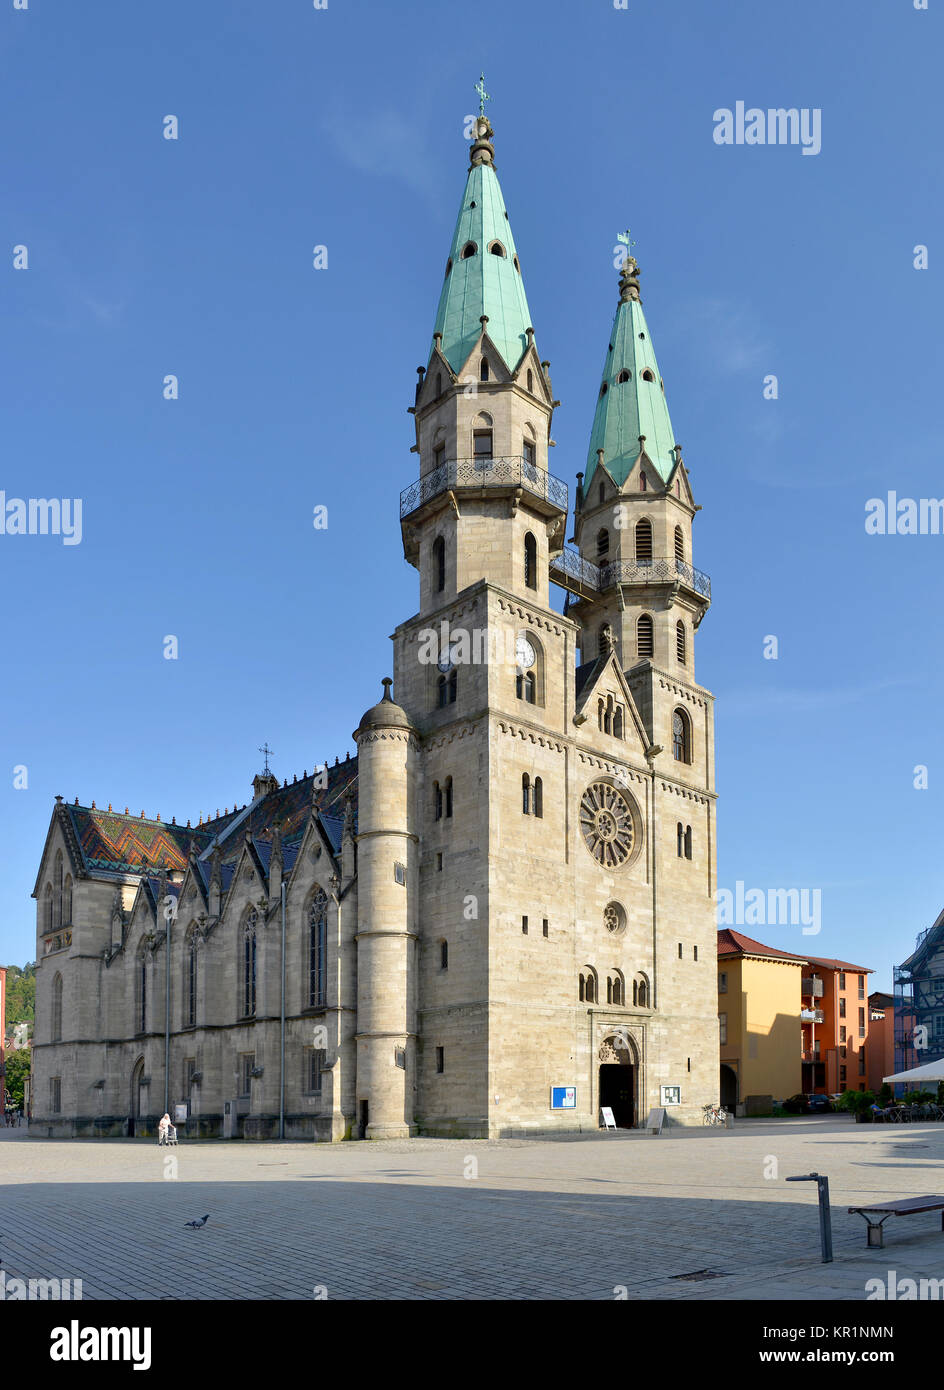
(266,750)
(484,96)
(625,239)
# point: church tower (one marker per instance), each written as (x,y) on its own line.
(563,897)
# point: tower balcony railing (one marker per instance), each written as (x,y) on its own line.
(513,471)
(572,571)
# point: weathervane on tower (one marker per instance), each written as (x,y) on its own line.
(484,96)
(266,750)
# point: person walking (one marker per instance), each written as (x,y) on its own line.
(163,1128)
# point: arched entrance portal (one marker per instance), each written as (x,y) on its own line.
(618,1080)
(139,1097)
(729,1088)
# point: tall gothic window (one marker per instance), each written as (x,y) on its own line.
(483,369)
(249,964)
(67,902)
(57,898)
(317,949)
(679,544)
(537,797)
(644,542)
(525,794)
(57,1007)
(680,641)
(191,981)
(644,635)
(47,908)
(530,562)
(142,990)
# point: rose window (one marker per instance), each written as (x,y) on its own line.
(608,825)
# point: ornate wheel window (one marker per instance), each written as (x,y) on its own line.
(614,918)
(608,822)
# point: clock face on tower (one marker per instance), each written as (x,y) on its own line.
(524,653)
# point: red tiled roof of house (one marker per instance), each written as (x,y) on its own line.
(735,943)
(840,965)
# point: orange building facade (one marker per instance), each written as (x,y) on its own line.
(834,1021)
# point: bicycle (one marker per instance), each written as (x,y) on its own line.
(714,1115)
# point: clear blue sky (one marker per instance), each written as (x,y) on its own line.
(343,127)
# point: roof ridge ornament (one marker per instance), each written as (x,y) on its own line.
(482,150)
(629,270)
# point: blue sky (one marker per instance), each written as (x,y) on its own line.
(343,127)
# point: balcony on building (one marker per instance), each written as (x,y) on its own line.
(812,987)
(581,577)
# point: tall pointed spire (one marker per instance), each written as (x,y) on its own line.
(483,274)
(631,405)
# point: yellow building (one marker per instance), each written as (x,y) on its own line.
(759,1018)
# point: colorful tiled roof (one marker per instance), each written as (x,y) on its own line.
(735,943)
(114,842)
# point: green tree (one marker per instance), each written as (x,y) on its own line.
(18,1069)
(21,994)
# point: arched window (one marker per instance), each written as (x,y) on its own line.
(609,989)
(482,440)
(249,964)
(680,641)
(438,801)
(603,390)
(447,797)
(603,543)
(618,722)
(679,545)
(469,249)
(525,686)
(439,563)
(447,686)
(619,989)
(538,797)
(647,375)
(57,898)
(497,249)
(530,561)
(47,908)
(57,1007)
(590,988)
(483,369)
(688,842)
(608,715)
(642,482)
(644,635)
(317,949)
(635,994)
(190,983)
(600,713)
(67,902)
(623,376)
(516,265)
(681,737)
(525,794)
(641,991)
(530,381)
(679,840)
(644,542)
(448,267)
(581,988)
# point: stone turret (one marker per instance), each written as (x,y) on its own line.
(386,929)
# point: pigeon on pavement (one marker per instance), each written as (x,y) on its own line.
(196,1225)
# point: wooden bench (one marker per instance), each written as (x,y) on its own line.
(908,1206)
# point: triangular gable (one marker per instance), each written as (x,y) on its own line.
(607,667)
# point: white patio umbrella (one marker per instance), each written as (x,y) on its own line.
(931,1071)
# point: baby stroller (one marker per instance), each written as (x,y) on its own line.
(167,1136)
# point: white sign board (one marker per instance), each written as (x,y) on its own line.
(656,1120)
(180,1113)
(607,1114)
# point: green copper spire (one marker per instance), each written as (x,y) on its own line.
(482,273)
(631,401)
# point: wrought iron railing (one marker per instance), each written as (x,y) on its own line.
(514,471)
(600,577)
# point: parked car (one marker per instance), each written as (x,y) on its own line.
(807,1105)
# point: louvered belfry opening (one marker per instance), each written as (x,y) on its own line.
(643,542)
(644,641)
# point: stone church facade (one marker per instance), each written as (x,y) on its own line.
(499,916)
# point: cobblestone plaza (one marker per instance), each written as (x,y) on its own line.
(588,1218)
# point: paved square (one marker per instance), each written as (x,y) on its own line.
(575,1218)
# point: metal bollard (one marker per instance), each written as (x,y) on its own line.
(825,1220)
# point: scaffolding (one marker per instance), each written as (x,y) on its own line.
(919,1001)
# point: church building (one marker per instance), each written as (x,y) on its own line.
(498,917)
